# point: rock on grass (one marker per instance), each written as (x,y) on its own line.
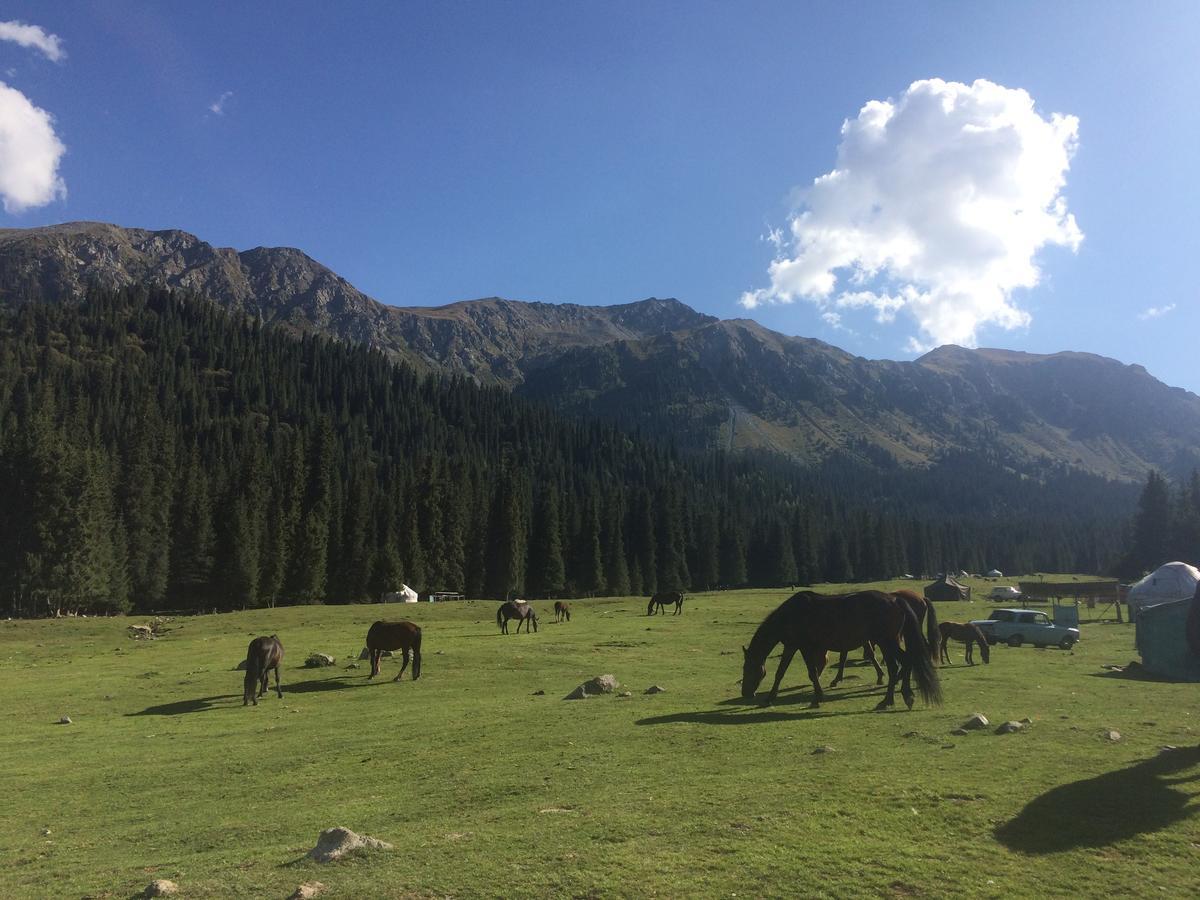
(977,720)
(334,843)
(318,660)
(307,891)
(160,887)
(594,687)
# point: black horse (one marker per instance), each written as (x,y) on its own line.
(263,655)
(404,636)
(512,609)
(663,599)
(815,623)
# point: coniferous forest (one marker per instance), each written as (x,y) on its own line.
(159,453)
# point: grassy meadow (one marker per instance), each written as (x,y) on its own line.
(487,789)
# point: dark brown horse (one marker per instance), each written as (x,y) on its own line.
(663,599)
(814,623)
(522,612)
(263,655)
(404,636)
(925,613)
(967,633)
(562,611)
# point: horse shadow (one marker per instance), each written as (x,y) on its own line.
(738,711)
(203,704)
(1107,808)
(180,707)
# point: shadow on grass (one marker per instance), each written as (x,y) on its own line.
(1111,807)
(179,707)
(202,704)
(752,712)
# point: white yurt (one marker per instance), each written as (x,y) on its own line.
(404,595)
(995,573)
(1172,581)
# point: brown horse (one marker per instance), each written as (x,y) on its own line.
(562,611)
(404,636)
(925,613)
(522,612)
(970,635)
(663,599)
(814,623)
(263,655)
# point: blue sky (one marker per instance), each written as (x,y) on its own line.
(602,153)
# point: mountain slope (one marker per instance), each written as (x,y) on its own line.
(485,339)
(664,368)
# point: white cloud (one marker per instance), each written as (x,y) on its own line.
(30,152)
(1154,312)
(49,45)
(217,107)
(937,206)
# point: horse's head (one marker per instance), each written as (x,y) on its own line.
(985,651)
(752,674)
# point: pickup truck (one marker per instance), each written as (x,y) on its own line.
(1026,626)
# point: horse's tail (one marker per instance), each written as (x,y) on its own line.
(918,658)
(500,614)
(650,607)
(933,635)
(416,652)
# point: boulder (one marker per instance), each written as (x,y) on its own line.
(1111,734)
(307,891)
(64,720)
(594,687)
(625,694)
(334,843)
(655,689)
(1010,728)
(539,693)
(141,632)
(318,660)
(352,666)
(825,749)
(977,720)
(160,887)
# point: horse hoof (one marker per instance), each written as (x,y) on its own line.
(882,705)
(908,701)
(814,705)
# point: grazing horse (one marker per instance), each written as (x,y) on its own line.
(522,612)
(404,636)
(663,599)
(970,635)
(562,611)
(924,612)
(263,655)
(814,623)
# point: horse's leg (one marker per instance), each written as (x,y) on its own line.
(970,653)
(403,665)
(841,669)
(904,676)
(784,661)
(869,654)
(945,654)
(891,650)
(266,681)
(815,665)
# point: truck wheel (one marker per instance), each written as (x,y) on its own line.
(1066,644)
(1014,641)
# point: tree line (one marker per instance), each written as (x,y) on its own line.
(158,452)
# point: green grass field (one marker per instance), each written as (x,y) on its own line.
(487,789)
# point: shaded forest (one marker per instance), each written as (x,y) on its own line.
(157,452)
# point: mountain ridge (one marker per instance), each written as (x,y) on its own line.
(660,366)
